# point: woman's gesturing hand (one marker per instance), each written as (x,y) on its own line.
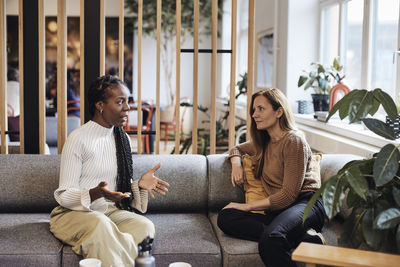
(238,206)
(237,171)
(101,191)
(150,182)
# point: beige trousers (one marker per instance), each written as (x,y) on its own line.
(111,237)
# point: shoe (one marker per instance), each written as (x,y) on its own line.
(312,236)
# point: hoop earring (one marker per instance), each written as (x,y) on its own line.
(101,111)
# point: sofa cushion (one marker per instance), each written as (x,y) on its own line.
(185,237)
(236,252)
(179,237)
(28,182)
(187,176)
(26,241)
(221,191)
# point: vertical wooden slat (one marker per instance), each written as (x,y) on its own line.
(121,41)
(214,36)
(158,119)
(366,45)
(178,75)
(21,78)
(102,39)
(82,61)
(250,64)
(195,73)
(139,86)
(233,77)
(61,74)
(42,78)
(3,78)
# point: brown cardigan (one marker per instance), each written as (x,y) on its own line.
(287,168)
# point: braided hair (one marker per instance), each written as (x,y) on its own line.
(98,92)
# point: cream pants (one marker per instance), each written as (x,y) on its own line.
(112,236)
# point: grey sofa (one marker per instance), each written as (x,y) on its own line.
(185,219)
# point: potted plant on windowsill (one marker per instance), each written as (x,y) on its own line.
(372,185)
(321,79)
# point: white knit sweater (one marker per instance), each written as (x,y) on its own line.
(88,158)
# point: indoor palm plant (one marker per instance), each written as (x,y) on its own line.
(372,185)
(321,79)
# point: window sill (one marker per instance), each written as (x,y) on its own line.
(338,136)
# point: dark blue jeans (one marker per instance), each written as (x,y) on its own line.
(277,232)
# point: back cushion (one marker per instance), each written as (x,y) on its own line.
(28,182)
(221,190)
(187,176)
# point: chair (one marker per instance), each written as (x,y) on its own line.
(166,126)
(131,124)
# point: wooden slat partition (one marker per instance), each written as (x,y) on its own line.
(121,40)
(61,74)
(102,39)
(158,118)
(250,64)
(195,73)
(21,77)
(139,85)
(178,75)
(82,61)
(42,78)
(214,40)
(233,76)
(3,77)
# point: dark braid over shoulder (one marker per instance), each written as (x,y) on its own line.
(98,92)
(125,170)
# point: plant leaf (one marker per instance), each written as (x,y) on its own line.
(302,80)
(380,128)
(386,164)
(360,105)
(350,234)
(375,107)
(342,105)
(321,68)
(336,64)
(312,201)
(357,182)
(373,237)
(333,195)
(353,200)
(396,195)
(387,103)
(387,219)
(309,83)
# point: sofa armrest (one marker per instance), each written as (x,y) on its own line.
(313,254)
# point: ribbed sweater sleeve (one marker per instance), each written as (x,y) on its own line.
(296,154)
(241,149)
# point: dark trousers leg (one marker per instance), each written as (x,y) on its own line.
(241,224)
(286,229)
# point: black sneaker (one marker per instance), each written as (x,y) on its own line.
(311,236)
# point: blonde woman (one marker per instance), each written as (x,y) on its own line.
(283,164)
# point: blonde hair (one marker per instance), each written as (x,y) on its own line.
(261,138)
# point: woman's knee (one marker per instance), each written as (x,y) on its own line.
(224,219)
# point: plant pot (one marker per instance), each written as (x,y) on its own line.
(395,125)
(304,107)
(320,102)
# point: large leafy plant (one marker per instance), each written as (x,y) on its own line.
(320,77)
(372,185)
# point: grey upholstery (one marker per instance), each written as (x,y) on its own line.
(185,219)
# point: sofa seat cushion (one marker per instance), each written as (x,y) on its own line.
(27,241)
(236,252)
(184,237)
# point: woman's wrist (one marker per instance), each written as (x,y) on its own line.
(95,193)
(236,160)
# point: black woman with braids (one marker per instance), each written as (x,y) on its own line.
(96,192)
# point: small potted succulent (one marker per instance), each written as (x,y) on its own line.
(321,79)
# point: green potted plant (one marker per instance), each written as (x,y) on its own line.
(372,185)
(321,79)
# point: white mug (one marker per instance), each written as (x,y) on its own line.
(180,264)
(90,262)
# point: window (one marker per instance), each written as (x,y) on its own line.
(364,34)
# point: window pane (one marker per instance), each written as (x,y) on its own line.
(330,33)
(385,19)
(353,27)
